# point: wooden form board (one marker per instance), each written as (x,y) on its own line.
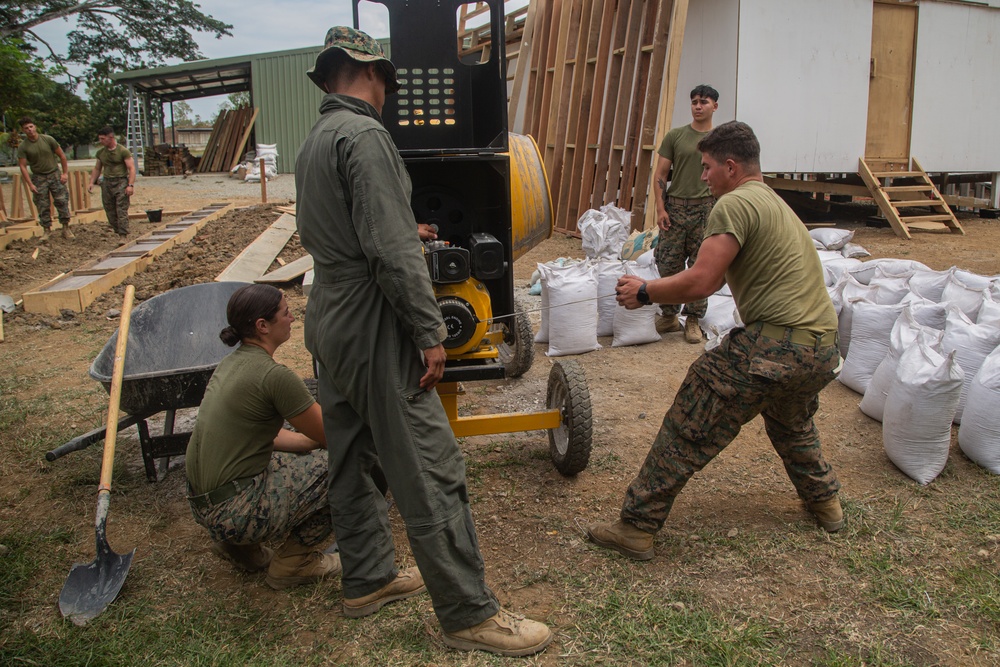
(78,289)
(598,76)
(227,140)
(288,272)
(257,257)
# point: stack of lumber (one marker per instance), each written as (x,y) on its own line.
(228,139)
(599,81)
(167,160)
(474,30)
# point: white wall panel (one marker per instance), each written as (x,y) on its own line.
(803,81)
(708,56)
(956,93)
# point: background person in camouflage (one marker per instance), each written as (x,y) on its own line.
(119,179)
(775,366)
(250,480)
(683,207)
(40,152)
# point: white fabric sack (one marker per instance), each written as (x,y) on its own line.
(827,255)
(819,245)
(647,259)
(891,288)
(971,279)
(916,426)
(927,312)
(843,295)
(831,238)
(871,327)
(968,299)
(979,434)
(573,310)
(608,273)
(542,336)
(636,327)
(863,274)
(854,251)
(836,268)
(971,343)
(602,236)
(929,284)
(989,313)
(904,335)
(720,316)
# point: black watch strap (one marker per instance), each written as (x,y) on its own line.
(642,296)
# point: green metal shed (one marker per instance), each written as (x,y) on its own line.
(278,85)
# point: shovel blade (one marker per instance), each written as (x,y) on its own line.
(90,588)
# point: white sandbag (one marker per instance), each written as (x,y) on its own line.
(831,237)
(542,335)
(819,245)
(989,313)
(620,215)
(572,310)
(979,434)
(827,255)
(854,251)
(927,312)
(971,343)
(929,284)
(968,299)
(835,268)
(891,288)
(608,273)
(647,258)
(843,295)
(720,316)
(863,274)
(871,327)
(971,279)
(725,290)
(602,236)
(636,327)
(904,335)
(916,426)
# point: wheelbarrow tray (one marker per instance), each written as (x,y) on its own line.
(173,349)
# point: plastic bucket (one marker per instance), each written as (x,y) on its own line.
(155,214)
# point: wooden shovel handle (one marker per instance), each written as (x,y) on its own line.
(107,464)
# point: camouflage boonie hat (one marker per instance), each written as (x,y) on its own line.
(357,45)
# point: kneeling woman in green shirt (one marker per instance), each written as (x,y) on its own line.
(250,480)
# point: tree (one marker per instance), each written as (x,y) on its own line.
(121,35)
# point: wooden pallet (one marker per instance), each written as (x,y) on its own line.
(78,289)
(917,191)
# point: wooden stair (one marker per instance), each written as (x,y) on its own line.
(891,198)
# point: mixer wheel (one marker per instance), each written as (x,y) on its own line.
(570,443)
(517,351)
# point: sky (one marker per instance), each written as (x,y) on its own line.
(260,26)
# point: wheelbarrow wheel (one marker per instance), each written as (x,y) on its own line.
(517,351)
(571,441)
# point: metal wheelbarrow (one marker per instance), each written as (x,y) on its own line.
(173,349)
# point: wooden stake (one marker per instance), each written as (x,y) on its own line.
(34,255)
(263,183)
(31,200)
(1,326)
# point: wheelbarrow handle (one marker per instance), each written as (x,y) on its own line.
(90,438)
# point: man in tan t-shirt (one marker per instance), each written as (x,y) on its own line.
(775,366)
(682,207)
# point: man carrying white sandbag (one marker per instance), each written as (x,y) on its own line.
(776,365)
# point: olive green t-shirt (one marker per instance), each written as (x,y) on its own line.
(777,276)
(40,154)
(680,146)
(113,161)
(246,403)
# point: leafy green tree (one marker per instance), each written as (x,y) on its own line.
(122,35)
(20,75)
(108,102)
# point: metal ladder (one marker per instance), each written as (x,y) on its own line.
(135,133)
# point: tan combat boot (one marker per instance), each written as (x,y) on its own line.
(829,514)
(295,564)
(407,583)
(246,557)
(66,234)
(692,330)
(503,633)
(46,233)
(624,538)
(666,324)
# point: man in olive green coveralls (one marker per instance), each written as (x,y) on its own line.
(375,329)
(775,366)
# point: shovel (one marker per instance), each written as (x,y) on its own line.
(90,588)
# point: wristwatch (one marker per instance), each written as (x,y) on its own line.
(641,296)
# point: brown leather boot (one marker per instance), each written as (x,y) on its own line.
(624,538)
(295,564)
(503,633)
(829,514)
(692,330)
(246,557)
(666,324)
(407,583)
(66,234)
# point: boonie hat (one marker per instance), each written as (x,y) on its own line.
(357,45)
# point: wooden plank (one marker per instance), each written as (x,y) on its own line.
(882,200)
(551,55)
(562,86)
(929,227)
(288,272)
(827,187)
(31,201)
(522,65)
(243,142)
(211,145)
(257,257)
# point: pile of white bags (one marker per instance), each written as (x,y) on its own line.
(269,152)
(604,232)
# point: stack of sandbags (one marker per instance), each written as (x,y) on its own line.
(269,153)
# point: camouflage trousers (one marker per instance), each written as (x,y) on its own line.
(50,185)
(746,375)
(678,247)
(289,497)
(115,202)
